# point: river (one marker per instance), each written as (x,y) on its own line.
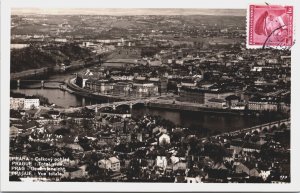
(211,121)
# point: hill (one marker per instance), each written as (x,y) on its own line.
(34,57)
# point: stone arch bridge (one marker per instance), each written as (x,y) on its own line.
(266,126)
(114,105)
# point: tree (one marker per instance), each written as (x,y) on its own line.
(177,134)
(283,126)
(214,151)
(133,169)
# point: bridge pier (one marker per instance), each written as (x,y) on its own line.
(42,83)
(18,83)
(130,108)
(83,101)
(146,103)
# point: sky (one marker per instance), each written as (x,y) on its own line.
(126,11)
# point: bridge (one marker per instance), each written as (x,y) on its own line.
(37,83)
(266,126)
(114,105)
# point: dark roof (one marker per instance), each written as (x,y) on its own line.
(263,99)
(97,81)
(52,112)
(195,90)
(27,125)
(31,97)
(245,144)
(237,142)
(216,100)
(232,97)
(251,145)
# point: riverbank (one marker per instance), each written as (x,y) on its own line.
(85,93)
(48,71)
(191,119)
(165,102)
(157,103)
(190,107)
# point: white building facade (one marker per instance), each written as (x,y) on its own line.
(31,103)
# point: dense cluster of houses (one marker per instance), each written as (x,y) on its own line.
(103,147)
(215,78)
(215,71)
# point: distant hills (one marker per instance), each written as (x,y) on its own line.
(106,26)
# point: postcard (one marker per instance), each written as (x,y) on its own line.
(129,95)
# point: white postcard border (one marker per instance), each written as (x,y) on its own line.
(127,187)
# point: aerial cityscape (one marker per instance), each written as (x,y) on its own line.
(145,95)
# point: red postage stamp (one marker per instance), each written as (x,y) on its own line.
(270,26)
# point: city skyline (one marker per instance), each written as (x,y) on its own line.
(128,12)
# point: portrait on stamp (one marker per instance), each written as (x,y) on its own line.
(271,25)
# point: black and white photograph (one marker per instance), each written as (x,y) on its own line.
(146,95)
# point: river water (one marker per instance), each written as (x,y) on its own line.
(211,121)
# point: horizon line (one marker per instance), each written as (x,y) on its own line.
(128,11)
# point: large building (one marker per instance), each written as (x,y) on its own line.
(126,88)
(100,86)
(216,103)
(110,164)
(214,99)
(193,95)
(145,89)
(161,82)
(163,85)
(125,52)
(31,103)
(108,87)
(24,103)
(216,95)
(13,132)
(17,103)
(262,104)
